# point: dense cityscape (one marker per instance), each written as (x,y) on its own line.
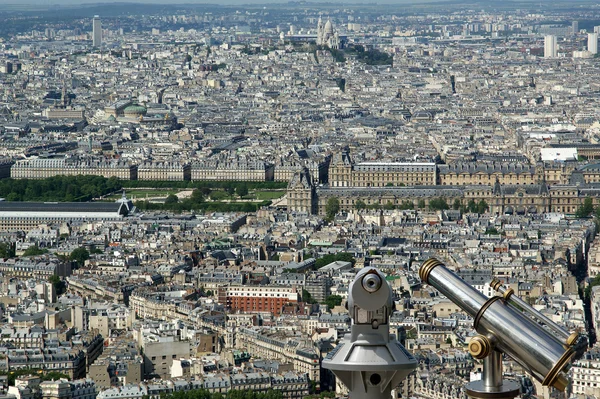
(187,191)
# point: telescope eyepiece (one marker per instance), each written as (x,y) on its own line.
(371,282)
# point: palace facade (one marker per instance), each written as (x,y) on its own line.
(304,196)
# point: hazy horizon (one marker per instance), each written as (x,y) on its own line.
(260,2)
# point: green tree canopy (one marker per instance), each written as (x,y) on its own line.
(472,206)
(332,207)
(482,207)
(80,255)
(230,190)
(389,205)
(197,196)
(333,300)
(585,209)
(438,204)
(491,230)
(307,297)
(456,205)
(242,190)
(7,250)
(360,204)
(406,205)
(171,199)
(34,250)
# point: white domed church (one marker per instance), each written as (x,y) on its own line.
(326,35)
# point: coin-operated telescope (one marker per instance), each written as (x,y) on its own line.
(370,362)
(507,324)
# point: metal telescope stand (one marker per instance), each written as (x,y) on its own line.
(370,361)
(491,385)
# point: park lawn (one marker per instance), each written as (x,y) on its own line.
(268,195)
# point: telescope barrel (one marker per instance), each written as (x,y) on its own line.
(515,301)
(528,343)
(453,287)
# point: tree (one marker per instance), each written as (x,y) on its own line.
(242,190)
(389,205)
(218,195)
(59,285)
(491,230)
(482,207)
(333,300)
(80,255)
(438,204)
(230,190)
(197,196)
(332,207)
(307,297)
(171,199)
(34,251)
(421,204)
(585,209)
(7,250)
(360,204)
(456,205)
(472,206)
(407,205)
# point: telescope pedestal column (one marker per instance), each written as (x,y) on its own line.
(491,385)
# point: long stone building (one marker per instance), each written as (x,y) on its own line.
(228,170)
(41,168)
(304,196)
(343,172)
(288,349)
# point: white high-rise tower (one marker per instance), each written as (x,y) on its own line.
(593,43)
(97,31)
(550,46)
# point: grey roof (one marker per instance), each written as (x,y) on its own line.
(9,206)
(420,191)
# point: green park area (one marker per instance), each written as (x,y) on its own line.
(177,196)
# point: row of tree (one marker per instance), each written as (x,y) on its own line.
(435,204)
(86,187)
(189,204)
(224,185)
(58,188)
(370,57)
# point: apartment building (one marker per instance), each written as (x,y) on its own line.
(343,172)
(270,299)
(69,361)
(232,170)
(164,171)
(586,374)
(460,174)
(41,168)
(263,343)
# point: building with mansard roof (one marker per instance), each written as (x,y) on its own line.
(304,196)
